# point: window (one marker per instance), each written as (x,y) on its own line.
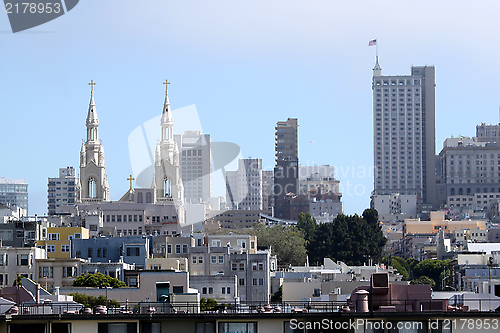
(184,248)
(210,290)
(221,259)
(204,290)
(54,236)
(51,248)
(200,260)
(177,248)
(261,266)
(22,260)
(228,290)
(241,282)
(213,259)
(216,243)
(242,243)
(254,282)
(78,236)
(234,266)
(169,248)
(64,248)
(194,260)
(133,251)
(242,266)
(261,282)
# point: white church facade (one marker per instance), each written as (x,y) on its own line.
(158,210)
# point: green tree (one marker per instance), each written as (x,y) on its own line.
(98,281)
(90,301)
(434,269)
(207,303)
(277,297)
(424,280)
(287,243)
(352,239)
(17,281)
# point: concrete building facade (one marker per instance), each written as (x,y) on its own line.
(404,133)
(287,164)
(196,165)
(62,190)
(245,185)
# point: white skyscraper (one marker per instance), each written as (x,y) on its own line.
(244,190)
(196,165)
(404,133)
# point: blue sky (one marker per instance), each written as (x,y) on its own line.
(245,65)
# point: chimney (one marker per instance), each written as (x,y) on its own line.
(37,293)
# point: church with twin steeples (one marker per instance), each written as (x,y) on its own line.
(158,210)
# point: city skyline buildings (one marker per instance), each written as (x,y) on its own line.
(324,84)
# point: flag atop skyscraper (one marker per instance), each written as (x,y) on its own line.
(372,42)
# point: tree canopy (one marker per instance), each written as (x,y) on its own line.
(90,301)
(98,280)
(353,239)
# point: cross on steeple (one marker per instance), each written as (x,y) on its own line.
(92,84)
(130,179)
(166,83)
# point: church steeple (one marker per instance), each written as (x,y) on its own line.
(94,185)
(167,122)
(92,119)
(167,180)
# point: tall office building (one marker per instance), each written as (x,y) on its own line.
(404,133)
(286,178)
(62,190)
(196,165)
(245,185)
(14,193)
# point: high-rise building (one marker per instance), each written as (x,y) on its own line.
(267,189)
(287,160)
(14,193)
(245,185)
(62,190)
(196,165)
(404,133)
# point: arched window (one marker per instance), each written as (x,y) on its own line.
(452,191)
(485,190)
(460,191)
(149,197)
(166,187)
(92,188)
(468,191)
(140,198)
